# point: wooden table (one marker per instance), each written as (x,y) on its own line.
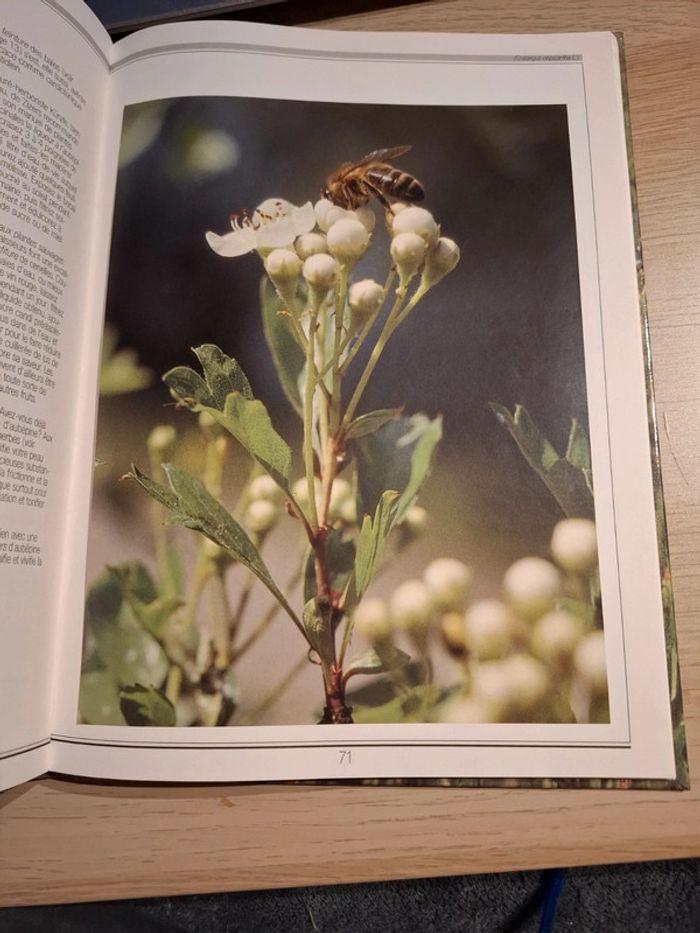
(69,841)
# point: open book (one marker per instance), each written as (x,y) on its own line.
(325,410)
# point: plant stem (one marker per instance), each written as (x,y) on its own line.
(173,683)
(309,426)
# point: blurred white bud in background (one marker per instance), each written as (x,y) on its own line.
(589,662)
(529,683)
(260,516)
(575,546)
(411,608)
(490,626)
(372,620)
(264,487)
(532,586)
(448,582)
(554,638)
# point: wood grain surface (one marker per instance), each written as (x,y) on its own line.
(63,840)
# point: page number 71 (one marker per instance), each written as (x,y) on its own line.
(345,756)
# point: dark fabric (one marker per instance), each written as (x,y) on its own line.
(651,897)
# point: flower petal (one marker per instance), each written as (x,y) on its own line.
(275,234)
(236,243)
(303,218)
(272,209)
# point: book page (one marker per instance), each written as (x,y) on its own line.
(53,82)
(394,515)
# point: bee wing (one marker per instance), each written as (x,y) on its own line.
(383,155)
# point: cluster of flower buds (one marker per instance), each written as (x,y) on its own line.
(342,509)
(416,244)
(515,652)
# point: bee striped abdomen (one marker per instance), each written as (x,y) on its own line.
(395,183)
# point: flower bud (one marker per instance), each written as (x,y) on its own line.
(283,266)
(416,220)
(347,239)
(328,213)
(464,709)
(491,626)
(365,299)
(589,662)
(397,207)
(412,609)
(441,259)
(321,273)
(492,689)
(264,487)
(453,634)
(372,620)
(416,520)
(408,252)
(366,216)
(260,516)
(448,582)
(574,545)
(300,491)
(309,244)
(161,441)
(529,683)
(555,637)
(531,586)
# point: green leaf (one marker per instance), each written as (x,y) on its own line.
(120,371)
(370,546)
(370,662)
(138,589)
(146,706)
(415,706)
(191,505)
(340,560)
(578,450)
(287,355)
(397,456)
(567,479)
(129,653)
(318,626)
(98,701)
(222,375)
(371,422)
(248,421)
(104,599)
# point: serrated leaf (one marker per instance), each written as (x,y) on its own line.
(287,355)
(318,626)
(340,560)
(191,505)
(370,545)
(370,662)
(248,421)
(385,460)
(371,422)
(98,701)
(222,375)
(570,485)
(146,706)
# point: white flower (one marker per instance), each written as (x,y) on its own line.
(531,586)
(554,638)
(372,620)
(347,239)
(441,260)
(274,223)
(283,265)
(309,244)
(321,271)
(589,661)
(300,491)
(492,689)
(416,220)
(411,607)
(264,487)
(365,298)
(448,583)
(574,545)
(260,516)
(490,629)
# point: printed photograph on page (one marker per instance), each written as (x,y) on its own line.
(342,469)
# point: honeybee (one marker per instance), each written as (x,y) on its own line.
(354,183)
